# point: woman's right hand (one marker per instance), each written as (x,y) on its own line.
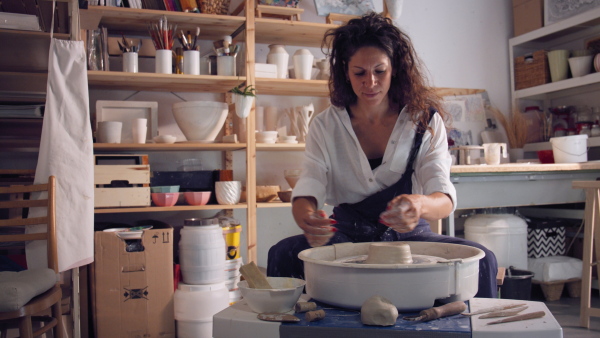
(317,227)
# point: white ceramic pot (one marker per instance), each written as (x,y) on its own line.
(454,277)
(581,65)
(191,62)
(228,192)
(163,61)
(280,57)
(303,61)
(243,104)
(597,62)
(200,121)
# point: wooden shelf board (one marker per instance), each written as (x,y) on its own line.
(135,21)
(167,209)
(23,82)
(280,147)
(274,204)
(162,82)
(17,35)
(292,87)
(169,147)
(294,33)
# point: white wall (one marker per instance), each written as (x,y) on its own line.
(463,43)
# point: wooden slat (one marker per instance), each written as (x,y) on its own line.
(23,188)
(23,237)
(23,204)
(23,221)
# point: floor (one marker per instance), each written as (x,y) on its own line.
(566,312)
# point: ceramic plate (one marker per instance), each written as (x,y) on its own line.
(115,229)
(130,234)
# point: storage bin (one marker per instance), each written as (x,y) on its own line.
(531,70)
(545,237)
(517,284)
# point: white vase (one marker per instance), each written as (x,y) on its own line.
(243,105)
(228,192)
(303,61)
(280,57)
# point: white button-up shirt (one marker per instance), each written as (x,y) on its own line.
(336,170)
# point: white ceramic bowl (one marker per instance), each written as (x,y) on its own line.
(581,65)
(281,298)
(200,121)
(164,139)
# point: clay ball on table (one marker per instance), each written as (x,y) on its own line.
(378,311)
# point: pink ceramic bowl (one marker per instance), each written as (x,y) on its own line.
(165,199)
(197,197)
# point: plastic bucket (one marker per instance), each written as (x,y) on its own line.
(517,284)
(201,255)
(504,234)
(569,149)
(195,306)
(231,234)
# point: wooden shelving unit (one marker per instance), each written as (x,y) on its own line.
(213,27)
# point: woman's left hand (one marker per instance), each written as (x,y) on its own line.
(403,213)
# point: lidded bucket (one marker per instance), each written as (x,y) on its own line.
(202,251)
(195,306)
(569,149)
(504,234)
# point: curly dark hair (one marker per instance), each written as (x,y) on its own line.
(409,84)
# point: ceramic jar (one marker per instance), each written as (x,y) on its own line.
(280,57)
(303,61)
(597,62)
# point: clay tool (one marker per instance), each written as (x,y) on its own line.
(312,316)
(492,309)
(278,317)
(449,309)
(504,313)
(305,307)
(254,277)
(526,316)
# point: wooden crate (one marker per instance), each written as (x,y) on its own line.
(110,174)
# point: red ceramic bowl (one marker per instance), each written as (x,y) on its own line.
(197,197)
(546,156)
(165,199)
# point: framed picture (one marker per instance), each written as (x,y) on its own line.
(349,7)
(557,10)
(280,3)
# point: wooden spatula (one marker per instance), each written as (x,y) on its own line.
(254,277)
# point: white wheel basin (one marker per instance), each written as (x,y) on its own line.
(409,287)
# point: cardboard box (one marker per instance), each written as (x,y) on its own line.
(528,15)
(133,291)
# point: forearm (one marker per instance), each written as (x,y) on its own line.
(435,206)
(302,206)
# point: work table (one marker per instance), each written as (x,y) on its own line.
(524,167)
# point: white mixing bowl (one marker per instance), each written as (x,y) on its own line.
(281,298)
(200,121)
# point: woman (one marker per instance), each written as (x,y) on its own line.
(379,154)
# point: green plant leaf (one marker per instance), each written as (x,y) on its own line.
(245,91)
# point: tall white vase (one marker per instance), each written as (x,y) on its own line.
(280,57)
(303,62)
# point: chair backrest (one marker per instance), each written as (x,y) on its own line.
(14,197)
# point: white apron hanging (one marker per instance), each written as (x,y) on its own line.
(66,151)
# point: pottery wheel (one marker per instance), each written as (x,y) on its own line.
(417,259)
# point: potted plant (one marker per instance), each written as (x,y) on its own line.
(243,98)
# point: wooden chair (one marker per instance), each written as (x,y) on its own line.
(28,296)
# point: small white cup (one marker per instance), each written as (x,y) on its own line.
(130,62)
(191,62)
(139,128)
(493,151)
(228,192)
(163,61)
(109,132)
(226,65)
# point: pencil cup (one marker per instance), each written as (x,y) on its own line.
(130,62)
(164,61)
(109,132)
(226,65)
(191,62)
(139,128)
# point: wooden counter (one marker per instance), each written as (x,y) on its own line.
(524,167)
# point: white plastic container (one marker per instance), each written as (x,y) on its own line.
(504,234)
(202,251)
(195,306)
(569,149)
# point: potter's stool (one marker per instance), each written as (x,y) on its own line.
(239,321)
(591,235)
